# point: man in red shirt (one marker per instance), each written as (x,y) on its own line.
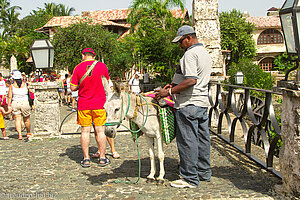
(91,99)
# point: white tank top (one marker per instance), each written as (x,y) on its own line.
(19,93)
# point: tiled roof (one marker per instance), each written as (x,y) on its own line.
(104,17)
(115,14)
(177,13)
(273,9)
(68,20)
(122,14)
(264,22)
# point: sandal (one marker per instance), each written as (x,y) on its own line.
(96,155)
(105,160)
(85,163)
(115,155)
(28,135)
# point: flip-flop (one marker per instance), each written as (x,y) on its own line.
(115,155)
(84,161)
(105,160)
(96,155)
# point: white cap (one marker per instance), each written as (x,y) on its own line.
(138,73)
(17,75)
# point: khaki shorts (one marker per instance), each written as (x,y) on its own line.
(87,117)
(21,107)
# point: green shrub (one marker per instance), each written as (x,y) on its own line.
(283,62)
(254,76)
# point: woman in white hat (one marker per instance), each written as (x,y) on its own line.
(18,100)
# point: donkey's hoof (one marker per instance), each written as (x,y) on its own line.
(160,182)
(150,180)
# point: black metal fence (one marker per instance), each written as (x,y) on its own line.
(257,120)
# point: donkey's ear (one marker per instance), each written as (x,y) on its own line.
(105,85)
(117,88)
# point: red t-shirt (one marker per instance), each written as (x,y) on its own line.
(91,94)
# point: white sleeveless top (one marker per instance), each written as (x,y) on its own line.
(19,93)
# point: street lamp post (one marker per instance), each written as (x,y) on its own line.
(46,97)
(290,21)
(239,78)
(42,52)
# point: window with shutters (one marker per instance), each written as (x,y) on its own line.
(267,64)
(270,36)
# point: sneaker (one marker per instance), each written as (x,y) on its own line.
(181,183)
(73,110)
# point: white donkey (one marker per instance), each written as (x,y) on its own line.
(120,105)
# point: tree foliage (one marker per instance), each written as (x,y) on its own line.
(18,35)
(283,62)
(54,9)
(155,27)
(8,18)
(70,41)
(159,9)
(236,35)
(155,48)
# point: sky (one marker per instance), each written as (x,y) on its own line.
(253,7)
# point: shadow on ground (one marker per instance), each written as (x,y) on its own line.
(244,173)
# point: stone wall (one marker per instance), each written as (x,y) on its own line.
(290,151)
(46,108)
(207,27)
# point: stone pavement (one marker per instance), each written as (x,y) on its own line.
(50,169)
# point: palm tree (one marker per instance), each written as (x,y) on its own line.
(56,9)
(10,21)
(157,7)
(8,17)
(66,11)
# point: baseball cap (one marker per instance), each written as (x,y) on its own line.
(88,50)
(138,73)
(17,75)
(184,30)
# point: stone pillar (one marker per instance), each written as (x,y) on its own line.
(207,27)
(290,131)
(46,109)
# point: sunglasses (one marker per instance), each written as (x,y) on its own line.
(181,40)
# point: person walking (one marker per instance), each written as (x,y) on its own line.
(67,89)
(60,89)
(190,91)
(18,100)
(146,81)
(91,99)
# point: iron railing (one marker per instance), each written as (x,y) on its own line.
(256,116)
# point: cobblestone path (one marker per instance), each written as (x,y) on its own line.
(50,169)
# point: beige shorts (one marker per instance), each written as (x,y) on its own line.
(21,107)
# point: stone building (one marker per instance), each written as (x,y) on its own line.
(268,38)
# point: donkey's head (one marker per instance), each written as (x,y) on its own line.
(113,108)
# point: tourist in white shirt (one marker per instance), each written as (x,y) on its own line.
(134,83)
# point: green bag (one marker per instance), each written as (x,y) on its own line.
(167,124)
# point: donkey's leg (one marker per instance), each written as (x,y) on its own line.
(161,157)
(150,177)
